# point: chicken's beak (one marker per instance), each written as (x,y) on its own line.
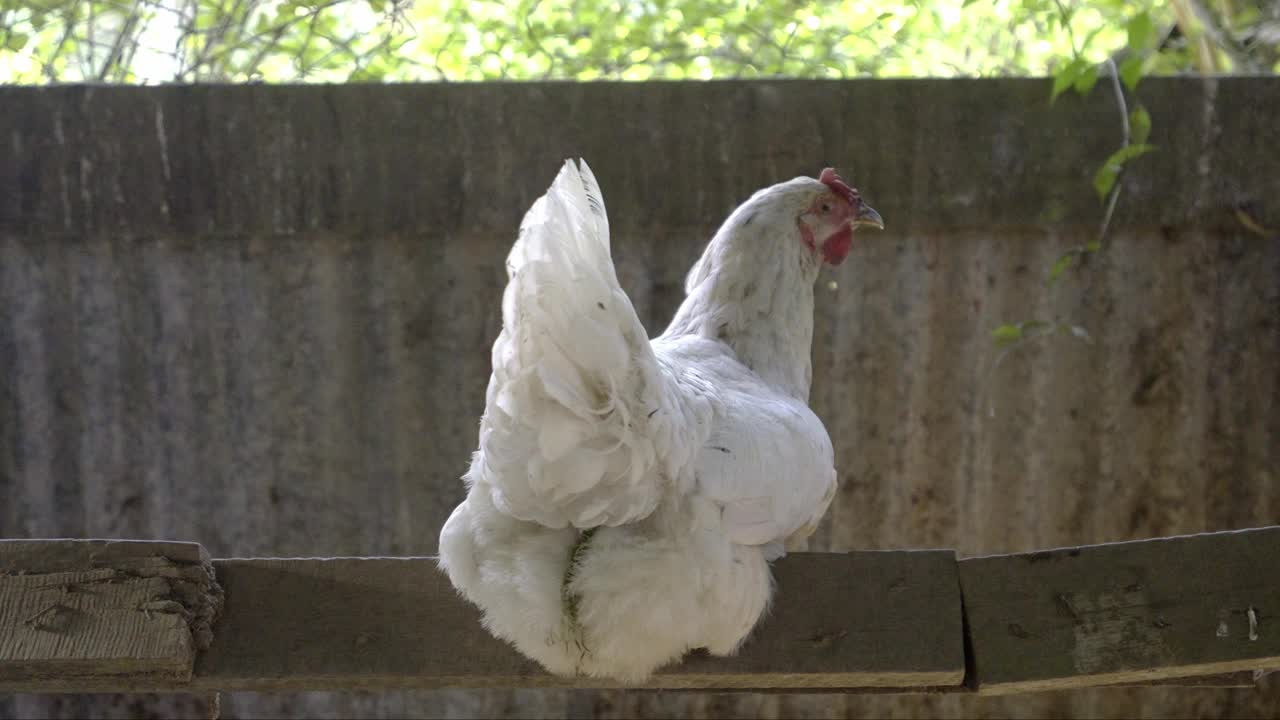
(867,215)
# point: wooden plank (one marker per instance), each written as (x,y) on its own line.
(1229,680)
(866,619)
(129,616)
(1124,613)
(78,613)
(1239,679)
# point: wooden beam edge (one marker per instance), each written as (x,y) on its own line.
(1075,549)
(783,682)
(1232,674)
(944,684)
(1226,675)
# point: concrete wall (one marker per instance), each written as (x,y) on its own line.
(259,318)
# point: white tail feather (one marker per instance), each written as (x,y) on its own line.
(559,443)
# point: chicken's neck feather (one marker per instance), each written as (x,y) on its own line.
(753,290)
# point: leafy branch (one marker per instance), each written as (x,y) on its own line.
(1135,126)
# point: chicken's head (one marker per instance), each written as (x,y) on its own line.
(828,220)
(811,218)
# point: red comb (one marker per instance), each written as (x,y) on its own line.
(838,185)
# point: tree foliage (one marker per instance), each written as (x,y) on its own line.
(139,41)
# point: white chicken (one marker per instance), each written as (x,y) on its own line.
(628,495)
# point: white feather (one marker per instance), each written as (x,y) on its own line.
(694,457)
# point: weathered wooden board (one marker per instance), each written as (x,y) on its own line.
(100,612)
(1124,613)
(136,616)
(866,619)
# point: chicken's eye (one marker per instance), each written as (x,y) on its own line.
(826,207)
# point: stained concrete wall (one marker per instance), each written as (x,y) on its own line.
(259,318)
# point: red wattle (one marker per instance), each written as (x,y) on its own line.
(837,247)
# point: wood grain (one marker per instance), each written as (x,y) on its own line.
(113,616)
(866,619)
(1124,613)
(97,612)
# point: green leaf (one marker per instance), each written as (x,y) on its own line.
(1139,126)
(1106,176)
(1087,80)
(1105,179)
(1067,77)
(1064,15)
(1142,31)
(1031,326)
(1061,265)
(1092,34)
(1246,17)
(1007,334)
(16,41)
(1131,71)
(1093,246)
